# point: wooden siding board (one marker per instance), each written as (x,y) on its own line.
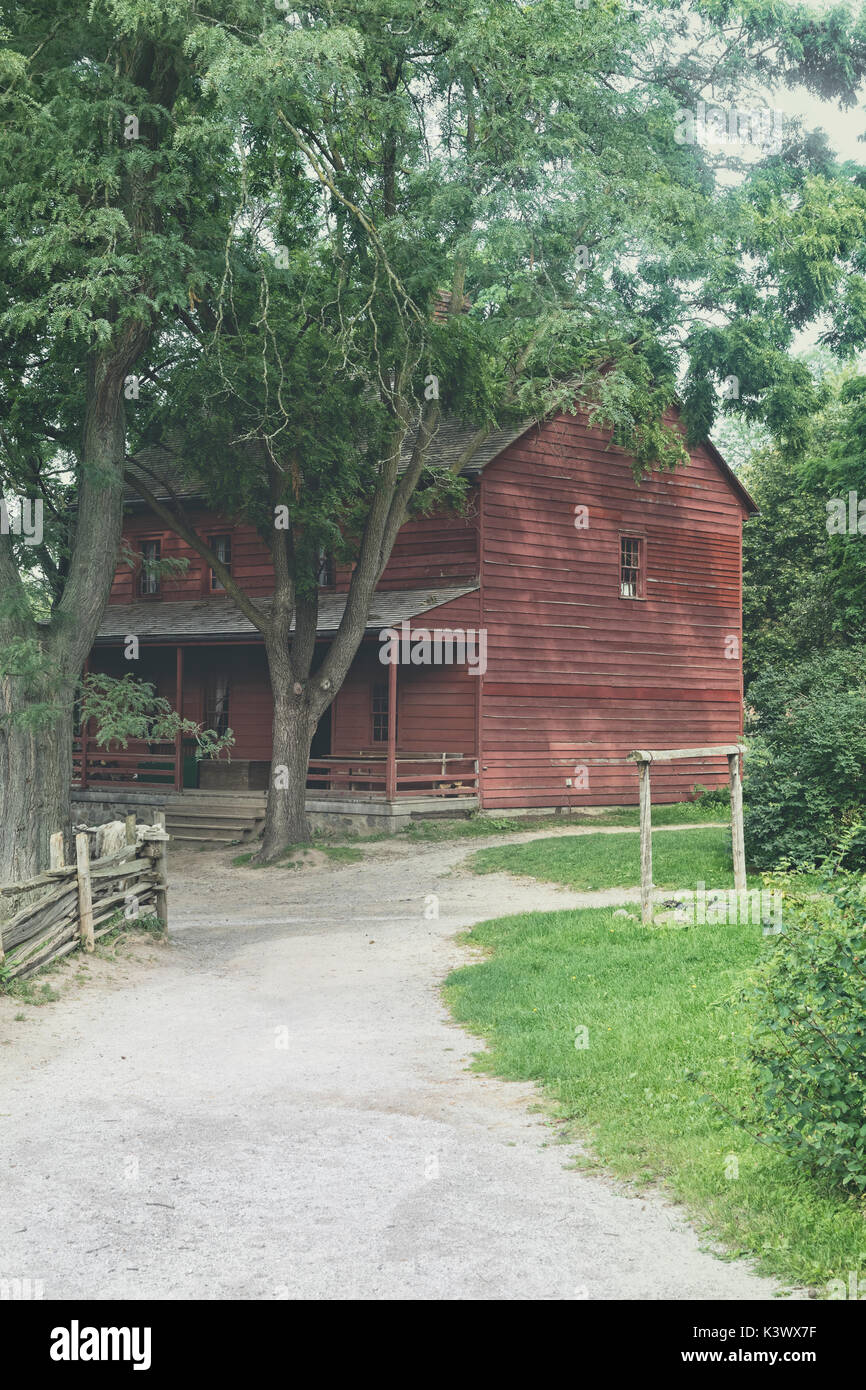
(575,672)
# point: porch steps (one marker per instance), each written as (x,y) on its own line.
(200,819)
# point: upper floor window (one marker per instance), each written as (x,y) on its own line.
(631,567)
(326,570)
(148,579)
(222,548)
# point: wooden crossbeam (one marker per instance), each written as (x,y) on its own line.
(665,755)
(645,757)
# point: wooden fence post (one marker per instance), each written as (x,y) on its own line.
(130,829)
(85,896)
(56,851)
(646,846)
(160,864)
(737,836)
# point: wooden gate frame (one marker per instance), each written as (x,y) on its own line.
(645,757)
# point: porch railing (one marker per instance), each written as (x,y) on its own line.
(144,764)
(417,774)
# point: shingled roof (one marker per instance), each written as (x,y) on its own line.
(219,619)
(158,466)
(156,462)
(451,440)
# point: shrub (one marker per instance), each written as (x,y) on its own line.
(806,769)
(807,1043)
(713,798)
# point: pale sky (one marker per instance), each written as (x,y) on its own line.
(844,129)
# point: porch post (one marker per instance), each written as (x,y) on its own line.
(85,723)
(178,738)
(391,765)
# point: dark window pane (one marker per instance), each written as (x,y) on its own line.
(216,704)
(222,548)
(380,712)
(326,570)
(630,567)
(151,554)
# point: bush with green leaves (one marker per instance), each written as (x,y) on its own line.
(712,797)
(130,708)
(806,768)
(808,1034)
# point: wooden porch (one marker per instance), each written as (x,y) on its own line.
(388,775)
(207,818)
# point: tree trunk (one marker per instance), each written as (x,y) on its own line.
(293,727)
(35,775)
(36,710)
(286,822)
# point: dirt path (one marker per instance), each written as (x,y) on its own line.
(277,1105)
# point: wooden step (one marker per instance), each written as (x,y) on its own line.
(221,821)
(205,829)
(204,837)
(202,815)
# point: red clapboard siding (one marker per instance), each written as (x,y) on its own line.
(251,563)
(436,704)
(430,550)
(575,673)
(251,705)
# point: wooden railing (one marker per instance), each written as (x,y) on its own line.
(140,762)
(417,774)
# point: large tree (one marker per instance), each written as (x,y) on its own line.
(116,195)
(528,161)
(264,250)
(804,567)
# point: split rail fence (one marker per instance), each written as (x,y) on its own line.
(77,903)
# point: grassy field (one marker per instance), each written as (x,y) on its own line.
(482,825)
(681,813)
(681,859)
(661,1083)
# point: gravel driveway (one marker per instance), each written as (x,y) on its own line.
(277,1106)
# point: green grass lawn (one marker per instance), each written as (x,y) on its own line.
(489,823)
(681,859)
(665,1035)
(484,824)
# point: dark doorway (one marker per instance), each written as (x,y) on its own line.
(321,744)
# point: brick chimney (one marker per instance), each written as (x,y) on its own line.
(442,305)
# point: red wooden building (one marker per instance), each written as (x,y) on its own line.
(610,613)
